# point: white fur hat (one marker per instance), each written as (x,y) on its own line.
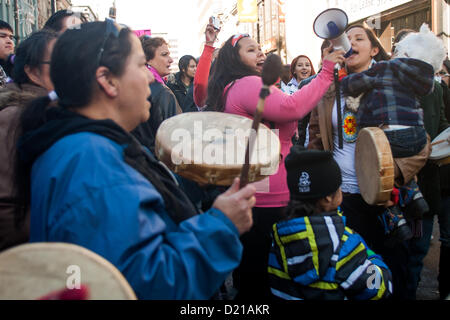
(422,45)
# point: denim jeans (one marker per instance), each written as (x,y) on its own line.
(407,142)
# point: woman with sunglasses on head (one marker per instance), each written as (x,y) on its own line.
(234,87)
(31,80)
(88,181)
(163,101)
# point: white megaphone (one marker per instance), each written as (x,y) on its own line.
(331,25)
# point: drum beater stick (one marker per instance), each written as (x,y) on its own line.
(271,72)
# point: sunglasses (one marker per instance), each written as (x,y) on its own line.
(442,73)
(111,29)
(238,37)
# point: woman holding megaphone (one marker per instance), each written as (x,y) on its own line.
(234,87)
(323,134)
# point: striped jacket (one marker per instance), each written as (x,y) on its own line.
(318,257)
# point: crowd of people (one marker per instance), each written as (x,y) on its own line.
(80,109)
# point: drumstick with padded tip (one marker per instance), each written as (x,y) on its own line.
(271,72)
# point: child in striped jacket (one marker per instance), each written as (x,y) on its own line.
(313,254)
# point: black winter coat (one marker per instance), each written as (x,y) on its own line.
(184,95)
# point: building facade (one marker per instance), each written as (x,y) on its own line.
(22,15)
(26,16)
(385,17)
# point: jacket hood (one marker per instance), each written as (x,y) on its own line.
(59,123)
(309,243)
(12,95)
(415,74)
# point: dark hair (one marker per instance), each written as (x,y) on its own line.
(325,44)
(382,54)
(150,45)
(72,71)
(228,67)
(303,208)
(294,63)
(5,25)
(30,53)
(74,61)
(400,35)
(184,61)
(55,22)
(446,65)
(285,73)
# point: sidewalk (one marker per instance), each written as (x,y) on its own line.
(428,286)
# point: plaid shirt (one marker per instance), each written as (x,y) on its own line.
(391,90)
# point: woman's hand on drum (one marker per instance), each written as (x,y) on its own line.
(237,205)
(210,34)
(335,56)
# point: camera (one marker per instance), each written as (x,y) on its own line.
(215,22)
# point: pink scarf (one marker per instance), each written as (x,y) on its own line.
(156,74)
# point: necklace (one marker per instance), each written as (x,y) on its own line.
(349,126)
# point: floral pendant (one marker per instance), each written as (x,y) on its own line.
(349,127)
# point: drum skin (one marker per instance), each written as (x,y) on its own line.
(440,152)
(209,147)
(33,270)
(374,166)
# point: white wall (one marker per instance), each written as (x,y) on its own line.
(300,37)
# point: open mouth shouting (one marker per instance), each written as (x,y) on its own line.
(259,65)
(354,54)
(304,73)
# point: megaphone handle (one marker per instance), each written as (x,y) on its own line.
(338,107)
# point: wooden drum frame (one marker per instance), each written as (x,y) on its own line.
(374,166)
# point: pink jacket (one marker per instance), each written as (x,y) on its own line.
(284,111)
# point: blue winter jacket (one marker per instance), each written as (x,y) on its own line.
(84,193)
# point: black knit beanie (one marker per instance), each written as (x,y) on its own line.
(311,174)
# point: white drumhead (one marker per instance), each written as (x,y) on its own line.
(33,270)
(210,147)
(440,150)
